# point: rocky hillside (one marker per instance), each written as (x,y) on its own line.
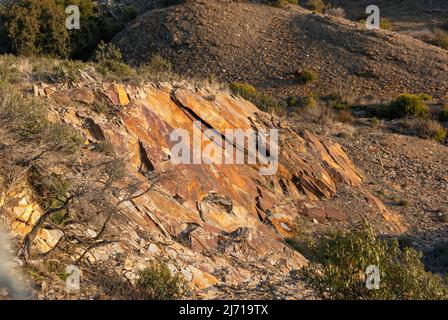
(88,176)
(222,227)
(267,46)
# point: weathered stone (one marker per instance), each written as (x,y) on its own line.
(83,95)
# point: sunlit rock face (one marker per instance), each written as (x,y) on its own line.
(205,218)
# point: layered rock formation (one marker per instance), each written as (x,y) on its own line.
(216,224)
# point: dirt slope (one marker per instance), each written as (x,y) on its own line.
(265,46)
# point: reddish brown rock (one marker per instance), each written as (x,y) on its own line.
(83,95)
(228,212)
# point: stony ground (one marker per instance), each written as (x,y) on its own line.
(409,174)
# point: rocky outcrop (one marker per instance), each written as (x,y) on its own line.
(216,223)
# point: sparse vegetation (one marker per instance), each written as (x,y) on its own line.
(28,117)
(302,240)
(315,5)
(306,76)
(157,283)
(386,24)
(110,62)
(408,105)
(38,27)
(340,260)
(423,128)
(440,38)
(339,101)
(262,100)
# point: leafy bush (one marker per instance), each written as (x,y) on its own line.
(408,105)
(36,27)
(97,25)
(281,3)
(262,100)
(9,69)
(310,101)
(110,61)
(425,97)
(340,260)
(293,102)
(339,101)
(315,5)
(157,68)
(385,24)
(440,38)
(51,190)
(157,283)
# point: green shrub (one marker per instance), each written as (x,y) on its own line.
(338,269)
(157,68)
(263,101)
(315,5)
(157,283)
(36,27)
(440,38)
(408,105)
(51,191)
(310,101)
(9,69)
(110,62)
(31,27)
(244,90)
(28,118)
(339,101)
(306,76)
(385,24)
(293,102)
(425,97)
